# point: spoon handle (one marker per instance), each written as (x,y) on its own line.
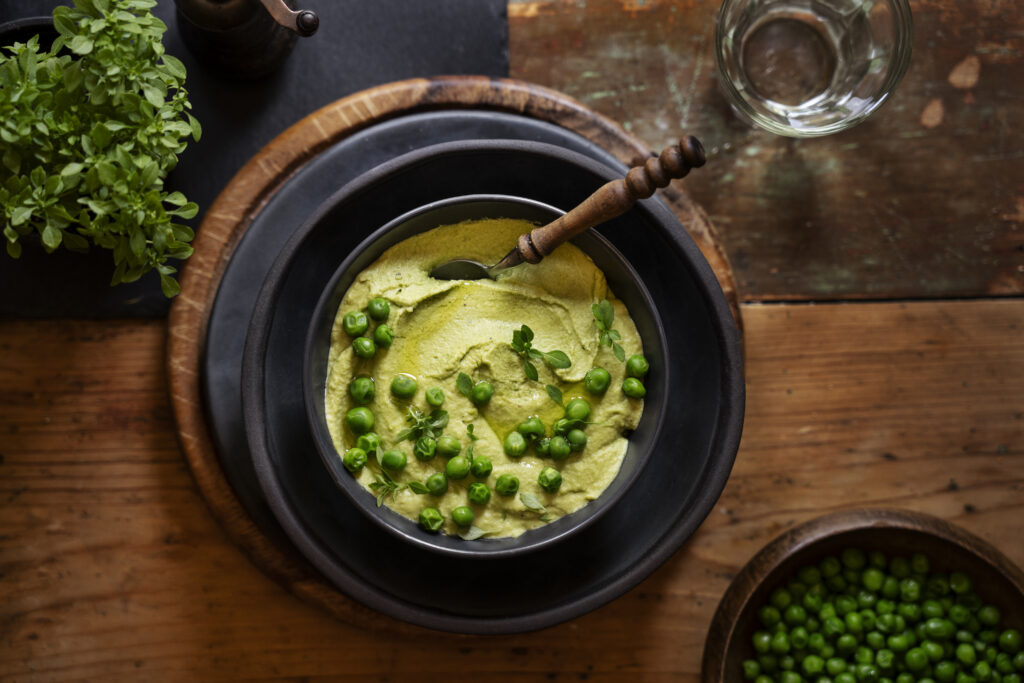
(614,198)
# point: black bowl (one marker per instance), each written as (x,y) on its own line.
(689,462)
(622,279)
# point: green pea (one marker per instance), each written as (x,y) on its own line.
(482,392)
(867,673)
(798,638)
(906,677)
(1004,663)
(1010,641)
(437,484)
(945,671)
(434,397)
(780,642)
(597,380)
(835,666)
(873,578)
(637,366)
(910,590)
(866,599)
(919,563)
(809,575)
(1018,661)
(781,598)
(884,658)
(854,622)
(813,665)
(875,640)
(938,628)
(751,669)
(989,615)
(383,336)
(531,428)
(479,493)
(816,642)
(853,558)
(916,659)
(966,654)
(561,426)
(577,410)
(812,601)
(364,347)
(448,446)
(514,445)
(911,611)
(404,386)
(559,448)
(550,479)
(830,566)
(833,627)
(577,439)
(932,609)
(378,308)
(507,485)
(543,447)
(762,641)
(359,420)
(481,466)
(354,323)
(769,615)
(937,585)
(431,519)
(959,583)
(458,467)
(425,448)
(794,614)
(959,614)
(463,515)
(791,677)
(764,679)
(369,442)
(361,390)
(845,677)
(846,643)
(982,671)
(393,459)
(891,588)
(898,642)
(354,459)
(633,388)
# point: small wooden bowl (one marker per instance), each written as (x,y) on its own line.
(894,532)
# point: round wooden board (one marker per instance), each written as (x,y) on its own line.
(237,205)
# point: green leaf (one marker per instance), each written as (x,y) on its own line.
(51,237)
(527,334)
(555,393)
(607,312)
(472,533)
(20,214)
(530,370)
(418,488)
(63,23)
(464,384)
(72,169)
(12,161)
(619,352)
(138,243)
(174,67)
(532,502)
(557,359)
(197,130)
(517,340)
(81,45)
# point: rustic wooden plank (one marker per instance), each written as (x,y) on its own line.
(925,199)
(114,568)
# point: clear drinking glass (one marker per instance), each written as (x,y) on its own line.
(804,68)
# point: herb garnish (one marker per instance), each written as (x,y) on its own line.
(604,317)
(533,503)
(472,533)
(554,393)
(87,138)
(473,438)
(423,425)
(522,344)
(383,485)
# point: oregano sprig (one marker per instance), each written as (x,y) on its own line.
(522,344)
(423,425)
(604,318)
(88,131)
(383,485)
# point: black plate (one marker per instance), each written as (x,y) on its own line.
(681,483)
(278,219)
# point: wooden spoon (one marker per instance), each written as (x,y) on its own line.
(610,200)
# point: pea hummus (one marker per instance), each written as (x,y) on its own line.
(446,327)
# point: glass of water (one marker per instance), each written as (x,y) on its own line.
(804,68)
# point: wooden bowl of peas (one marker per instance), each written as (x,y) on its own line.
(871,595)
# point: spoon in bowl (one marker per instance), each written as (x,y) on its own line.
(610,200)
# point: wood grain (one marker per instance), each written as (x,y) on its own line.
(924,199)
(114,569)
(227,220)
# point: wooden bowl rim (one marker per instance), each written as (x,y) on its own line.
(759,568)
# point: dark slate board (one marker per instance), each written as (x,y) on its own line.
(359,45)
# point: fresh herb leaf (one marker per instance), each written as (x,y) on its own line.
(423,425)
(530,370)
(604,317)
(90,130)
(465,385)
(418,488)
(472,533)
(532,502)
(384,486)
(522,344)
(555,393)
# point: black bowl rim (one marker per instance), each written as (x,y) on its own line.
(391,521)
(819,530)
(725,440)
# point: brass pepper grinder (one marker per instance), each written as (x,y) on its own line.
(243,39)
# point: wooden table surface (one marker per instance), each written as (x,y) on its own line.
(881,272)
